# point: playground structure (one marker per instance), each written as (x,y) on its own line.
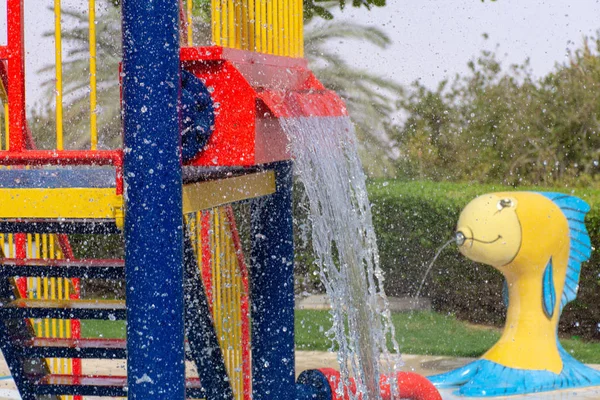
(189,291)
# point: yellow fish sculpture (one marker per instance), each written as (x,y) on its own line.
(538,242)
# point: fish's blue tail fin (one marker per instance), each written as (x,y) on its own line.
(574,209)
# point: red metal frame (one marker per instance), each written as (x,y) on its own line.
(14,55)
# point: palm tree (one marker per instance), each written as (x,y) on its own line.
(76,78)
(370,98)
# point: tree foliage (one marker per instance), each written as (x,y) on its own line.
(322,8)
(370,98)
(505,126)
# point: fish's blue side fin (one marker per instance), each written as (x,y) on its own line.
(580,250)
(548,291)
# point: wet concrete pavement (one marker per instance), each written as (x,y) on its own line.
(425,365)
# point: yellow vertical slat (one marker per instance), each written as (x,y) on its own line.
(242,22)
(58,72)
(224,292)
(6,127)
(285,19)
(270,26)
(11,247)
(199,238)
(239,24)
(281,25)
(231,39)
(190,27)
(230,342)
(93,85)
(251,25)
(46,285)
(217,282)
(258,23)
(264,26)
(223,23)
(28,248)
(234,311)
(292,28)
(238,319)
(300,16)
(216,21)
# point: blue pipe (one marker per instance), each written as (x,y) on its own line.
(153,215)
(272,291)
(272,299)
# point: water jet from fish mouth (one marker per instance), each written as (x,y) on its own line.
(454,239)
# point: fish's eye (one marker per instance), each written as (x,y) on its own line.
(504,203)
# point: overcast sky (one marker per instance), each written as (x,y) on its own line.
(432,39)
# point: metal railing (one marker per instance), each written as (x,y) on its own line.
(47,247)
(265,26)
(225,277)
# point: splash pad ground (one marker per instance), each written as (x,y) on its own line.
(425,365)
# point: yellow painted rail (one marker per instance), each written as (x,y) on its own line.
(224,274)
(264,26)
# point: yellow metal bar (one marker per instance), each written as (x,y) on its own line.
(270,26)
(4,99)
(291,9)
(281,30)
(216,21)
(190,27)
(276,27)
(58,77)
(285,32)
(93,84)
(251,25)
(6,127)
(300,11)
(238,320)
(224,23)
(199,238)
(263,26)
(11,248)
(258,22)
(59,203)
(217,267)
(203,195)
(28,248)
(231,39)
(241,22)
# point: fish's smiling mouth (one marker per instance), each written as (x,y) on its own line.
(461,238)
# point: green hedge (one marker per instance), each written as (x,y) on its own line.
(413,219)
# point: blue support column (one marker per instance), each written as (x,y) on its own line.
(272,291)
(153,184)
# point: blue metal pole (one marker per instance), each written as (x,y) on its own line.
(272,291)
(153,184)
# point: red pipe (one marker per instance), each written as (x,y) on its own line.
(62,157)
(16,74)
(410,386)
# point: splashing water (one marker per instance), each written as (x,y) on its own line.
(453,240)
(327,164)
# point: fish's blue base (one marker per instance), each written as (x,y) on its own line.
(484,378)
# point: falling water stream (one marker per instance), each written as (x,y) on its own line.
(327,164)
